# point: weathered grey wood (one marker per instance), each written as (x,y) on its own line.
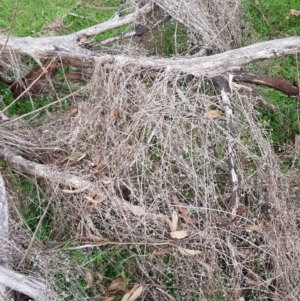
(4,235)
(219,63)
(198,66)
(36,170)
(37,47)
(27,285)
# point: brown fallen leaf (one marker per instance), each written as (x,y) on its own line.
(258,227)
(136,210)
(93,194)
(105,179)
(179,234)
(157,253)
(79,231)
(115,115)
(295,13)
(253,228)
(109,298)
(174,221)
(206,266)
(20,131)
(186,217)
(117,285)
(99,277)
(189,252)
(89,278)
(76,190)
(91,200)
(73,112)
(134,293)
(213,114)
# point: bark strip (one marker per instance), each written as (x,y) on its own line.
(261,80)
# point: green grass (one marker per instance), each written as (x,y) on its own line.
(110,262)
(34,207)
(271,20)
(31,15)
(283,126)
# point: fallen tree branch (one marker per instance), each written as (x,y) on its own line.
(27,285)
(36,170)
(37,47)
(4,235)
(139,30)
(261,80)
(198,66)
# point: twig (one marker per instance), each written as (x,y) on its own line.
(48,105)
(222,89)
(138,31)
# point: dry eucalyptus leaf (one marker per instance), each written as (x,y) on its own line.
(110,298)
(254,228)
(105,179)
(116,285)
(213,114)
(179,234)
(91,200)
(100,277)
(169,222)
(78,231)
(157,253)
(295,13)
(134,293)
(73,112)
(89,278)
(93,194)
(206,266)
(115,115)
(174,221)
(137,293)
(136,210)
(183,211)
(189,252)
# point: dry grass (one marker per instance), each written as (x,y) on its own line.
(151,138)
(145,139)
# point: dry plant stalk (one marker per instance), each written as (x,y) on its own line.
(146,136)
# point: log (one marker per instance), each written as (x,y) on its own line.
(27,285)
(37,47)
(4,235)
(45,172)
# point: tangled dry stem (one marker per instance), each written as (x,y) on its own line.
(151,136)
(145,140)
